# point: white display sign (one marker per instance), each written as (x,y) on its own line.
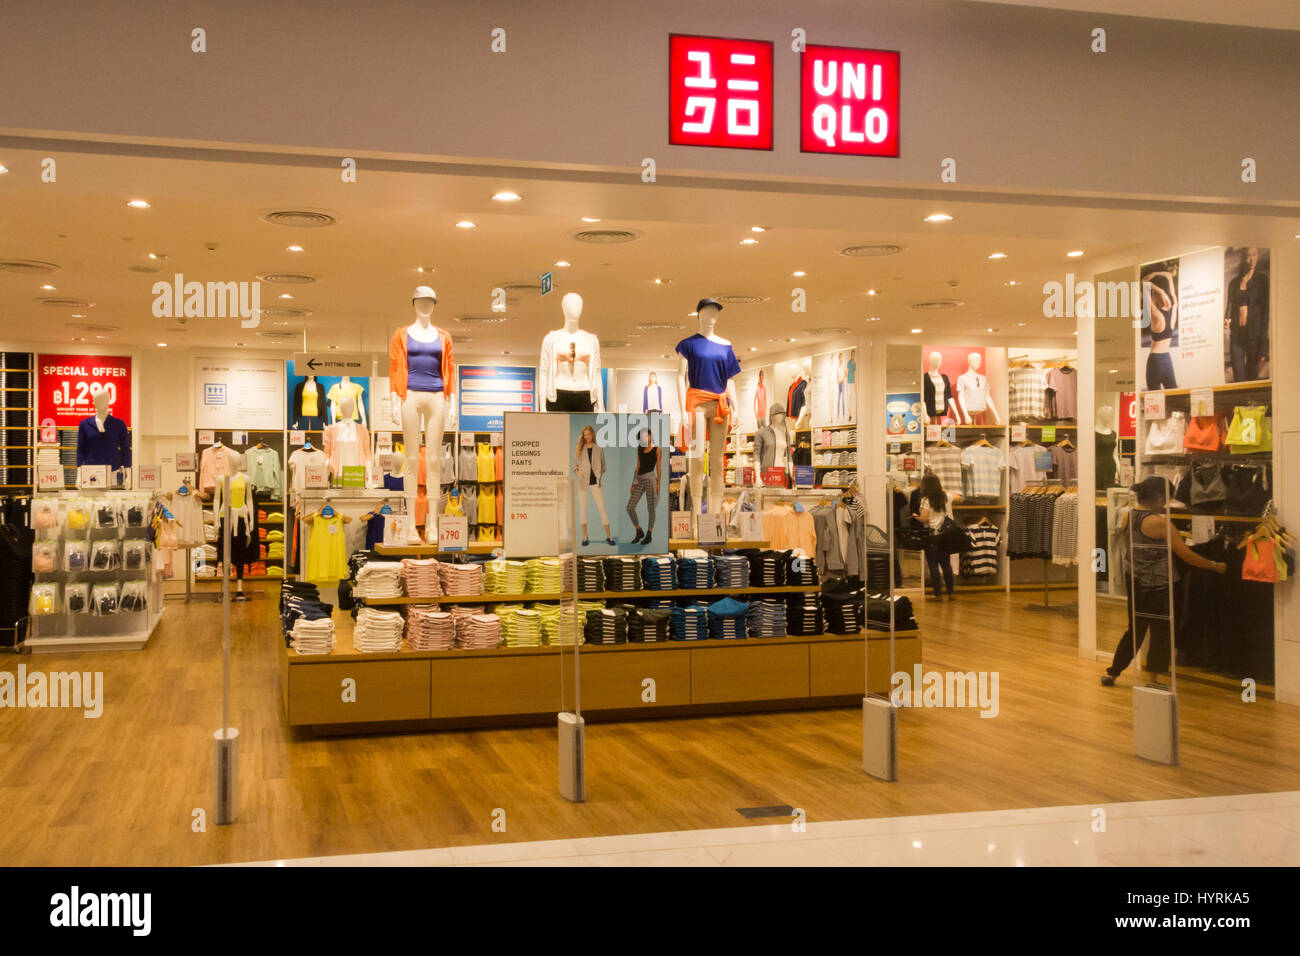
(207,436)
(297,438)
(238,391)
(466,439)
(933,432)
(681,526)
(1153,405)
(453,532)
(397,530)
(315,476)
(49,479)
(1195,354)
(712,529)
(92,476)
(333,363)
(186,461)
(239,438)
(1018,432)
(148,477)
(537,456)
(834,386)
(1202,401)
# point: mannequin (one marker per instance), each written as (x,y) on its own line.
(706,388)
(973,394)
(308,402)
(346,442)
(102,439)
(393,480)
(797,406)
(939,398)
(346,388)
(243,528)
(421,372)
(570,363)
(772,445)
(1107,449)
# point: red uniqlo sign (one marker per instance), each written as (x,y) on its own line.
(849,101)
(66,384)
(719,92)
(1128,409)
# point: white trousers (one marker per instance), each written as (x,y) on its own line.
(599,497)
(427,412)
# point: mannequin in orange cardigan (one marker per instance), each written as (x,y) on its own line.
(421,375)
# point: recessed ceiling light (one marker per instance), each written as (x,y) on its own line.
(162,345)
(464,224)
(507,196)
(1074,253)
(753,348)
(874,318)
(294,248)
(658,281)
(590,219)
(3,170)
(1112,371)
(78,315)
(285,295)
(758,228)
(871,292)
(793,339)
(1076,331)
(138,204)
(48,288)
(239,344)
(334,347)
(917,331)
(157,257)
(800,273)
(78,338)
(1012,282)
(424,269)
(938,217)
(749,242)
(990,330)
(692,315)
(1296,236)
(997,255)
(562,264)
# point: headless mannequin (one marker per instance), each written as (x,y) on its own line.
(973,362)
(570,360)
(237,465)
(1106,426)
(427,409)
(705,425)
(936,359)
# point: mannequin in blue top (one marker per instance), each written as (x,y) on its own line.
(706,388)
(103,439)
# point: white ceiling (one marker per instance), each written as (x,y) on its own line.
(391,221)
(1272,14)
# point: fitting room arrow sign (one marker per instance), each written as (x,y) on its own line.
(333,363)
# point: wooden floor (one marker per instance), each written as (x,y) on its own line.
(122,789)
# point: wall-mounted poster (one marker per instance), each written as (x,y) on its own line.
(239,392)
(834,387)
(66,387)
(1246,315)
(755,395)
(1183,330)
(903,415)
(646,390)
(620,471)
(314,399)
(487,392)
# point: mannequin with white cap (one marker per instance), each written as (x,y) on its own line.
(569,370)
(706,388)
(421,373)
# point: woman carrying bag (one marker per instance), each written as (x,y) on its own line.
(932,507)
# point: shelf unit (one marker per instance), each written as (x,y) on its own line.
(269,502)
(17,422)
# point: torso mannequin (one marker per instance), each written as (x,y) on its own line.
(570,363)
(706,388)
(421,373)
(973,394)
(1107,448)
(102,439)
(939,398)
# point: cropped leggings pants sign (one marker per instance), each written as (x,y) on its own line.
(647,485)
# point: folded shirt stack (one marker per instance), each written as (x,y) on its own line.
(460,613)
(695,572)
(622,574)
(379,579)
(649,625)
(803,614)
(429,629)
(503,577)
(730,571)
(801,569)
(378,632)
(421,577)
(310,636)
(542,576)
(606,626)
(727,619)
(690,623)
(767,569)
(522,628)
(569,624)
(657,573)
(766,619)
(550,620)
(878,606)
(591,575)
(479,631)
(460,579)
(844,612)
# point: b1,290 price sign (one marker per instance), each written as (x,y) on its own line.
(66,386)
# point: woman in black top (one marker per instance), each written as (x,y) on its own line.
(1246,318)
(647,481)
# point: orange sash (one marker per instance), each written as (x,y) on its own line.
(695,397)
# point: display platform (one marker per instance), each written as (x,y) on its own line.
(626,681)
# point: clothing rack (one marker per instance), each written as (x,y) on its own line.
(1066,610)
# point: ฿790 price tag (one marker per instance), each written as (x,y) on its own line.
(453,532)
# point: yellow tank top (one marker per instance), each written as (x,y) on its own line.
(487,506)
(487,464)
(309,396)
(453,507)
(238,487)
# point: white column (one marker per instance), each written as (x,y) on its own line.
(1286,456)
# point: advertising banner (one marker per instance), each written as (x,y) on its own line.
(834,388)
(66,385)
(620,467)
(313,399)
(536,457)
(237,392)
(488,392)
(755,396)
(1187,336)
(903,415)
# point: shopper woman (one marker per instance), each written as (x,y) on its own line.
(589,466)
(647,481)
(1147,568)
(930,506)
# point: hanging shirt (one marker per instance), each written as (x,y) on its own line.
(1064,463)
(1028,393)
(487,467)
(487,506)
(709,365)
(983,464)
(346,443)
(945,462)
(652,398)
(214,463)
(1063,393)
(264,468)
(424,364)
(327,550)
(794,398)
(1022,462)
(298,463)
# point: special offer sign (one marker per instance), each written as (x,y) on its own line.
(849,101)
(66,385)
(719,92)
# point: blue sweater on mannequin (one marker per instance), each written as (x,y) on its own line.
(110,447)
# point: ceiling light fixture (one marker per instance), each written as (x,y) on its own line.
(465,224)
(917,331)
(758,228)
(871,292)
(3,170)
(138,204)
(162,345)
(285,295)
(800,274)
(590,219)
(749,242)
(47,288)
(294,248)
(424,269)
(1112,371)
(1074,253)
(658,281)
(997,255)
(793,339)
(78,338)
(562,264)
(938,217)
(753,348)
(507,196)
(1012,282)
(874,318)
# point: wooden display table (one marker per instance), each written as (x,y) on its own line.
(346,690)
